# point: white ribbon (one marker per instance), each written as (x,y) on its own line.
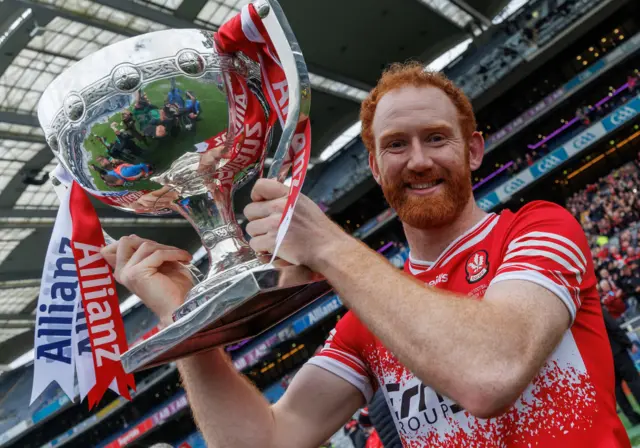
(53,356)
(61,358)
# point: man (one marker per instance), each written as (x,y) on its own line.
(529,364)
(130,173)
(127,142)
(612,299)
(129,124)
(630,280)
(124,148)
(625,369)
(153,122)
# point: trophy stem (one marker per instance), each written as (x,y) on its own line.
(211,215)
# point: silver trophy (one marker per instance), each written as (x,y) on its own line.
(162,123)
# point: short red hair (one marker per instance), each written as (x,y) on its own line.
(414,74)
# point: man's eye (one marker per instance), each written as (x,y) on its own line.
(435,138)
(396,144)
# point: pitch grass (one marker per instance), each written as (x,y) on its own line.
(213,119)
(632,431)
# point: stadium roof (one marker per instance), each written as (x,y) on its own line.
(346,44)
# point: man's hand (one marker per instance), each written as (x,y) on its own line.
(310,231)
(152,271)
(155,200)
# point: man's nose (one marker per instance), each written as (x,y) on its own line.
(419,157)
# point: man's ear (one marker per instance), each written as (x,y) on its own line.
(476,150)
(373,164)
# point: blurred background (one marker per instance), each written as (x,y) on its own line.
(555,86)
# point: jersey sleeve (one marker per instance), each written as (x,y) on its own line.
(546,245)
(342,354)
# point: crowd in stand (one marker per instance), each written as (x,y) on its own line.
(514,40)
(587,115)
(609,212)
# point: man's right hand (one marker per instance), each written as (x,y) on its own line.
(152,271)
(229,410)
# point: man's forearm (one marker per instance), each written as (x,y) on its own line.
(449,342)
(228,409)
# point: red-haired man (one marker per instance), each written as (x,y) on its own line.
(493,335)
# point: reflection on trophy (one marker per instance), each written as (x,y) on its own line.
(165,123)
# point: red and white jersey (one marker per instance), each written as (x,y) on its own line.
(570,403)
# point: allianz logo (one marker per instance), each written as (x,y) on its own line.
(584,140)
(623,115)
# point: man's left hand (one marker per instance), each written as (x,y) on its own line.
(310,232)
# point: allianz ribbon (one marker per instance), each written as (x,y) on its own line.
(246,33)
(79,328)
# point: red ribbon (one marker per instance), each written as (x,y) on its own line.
(249,128)
(231,38)
(99,299)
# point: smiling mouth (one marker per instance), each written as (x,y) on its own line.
(424,185)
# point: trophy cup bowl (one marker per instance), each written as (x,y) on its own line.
(162,123)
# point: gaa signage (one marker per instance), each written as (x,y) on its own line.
(548,163)
(584,140)
(513,185)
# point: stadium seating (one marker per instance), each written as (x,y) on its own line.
(609,212)
(519,40)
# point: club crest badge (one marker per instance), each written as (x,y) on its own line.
(477,266)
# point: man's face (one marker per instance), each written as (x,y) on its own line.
(604,273)
(422,161)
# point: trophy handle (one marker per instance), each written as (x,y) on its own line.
(295,70)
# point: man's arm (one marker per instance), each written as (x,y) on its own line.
(229,410)
(480,353)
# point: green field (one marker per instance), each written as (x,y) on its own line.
(213,119)
(633,431)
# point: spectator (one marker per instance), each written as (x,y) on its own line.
(632,82)
(612,299)
(630,256)
(624,368)
(630,281)
(529,158)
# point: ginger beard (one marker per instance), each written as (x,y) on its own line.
(435,210)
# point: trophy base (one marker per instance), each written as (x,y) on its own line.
(250,304)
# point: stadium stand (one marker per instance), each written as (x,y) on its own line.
(609,212)
(515,41)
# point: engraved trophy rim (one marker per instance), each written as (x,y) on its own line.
(119,71)
(305,287)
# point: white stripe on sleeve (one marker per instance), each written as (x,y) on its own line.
(360,382)
(557,237)
(540,279)
(541,243)
(544,253)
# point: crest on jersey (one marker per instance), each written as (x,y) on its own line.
(477,266)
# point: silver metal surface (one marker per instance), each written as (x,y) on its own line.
(162,123)
(295,69)
(249,305)
(127,123)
